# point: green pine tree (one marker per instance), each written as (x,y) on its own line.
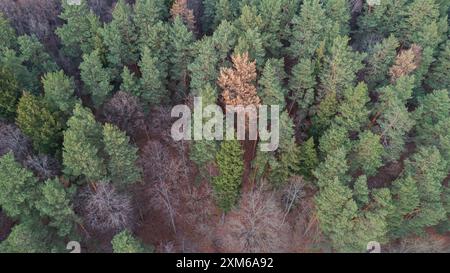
(125,242)
(122,156)
(353,113)
(271,88)
(78,34)
(340,67)
(181,41)
(309,30)
(361,191)
(35,56)
(41,125)
(18,188)
(231,168)
(26,237)
(302,84)
(152,89)
(82,143)
(380,59)
(308,158)
(204,68)
(368,153)
(120,38)
(130,82)
(95,77)
(55,203)
(439,77)
(8,34)
(334,166)
(59,92)
(9,95)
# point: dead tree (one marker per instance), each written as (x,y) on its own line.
(105,210)
(12,140)
(43,166)
(293,194)
(125,111)
(258,226)
(164,172)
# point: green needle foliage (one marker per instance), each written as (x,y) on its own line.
(231,167)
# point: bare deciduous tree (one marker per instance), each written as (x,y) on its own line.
(258,226)
(161,122)
(104,209)
(419,245)
(292,194)
(12,140)
(164,172)
(39,17)
(125,111)
(43,166)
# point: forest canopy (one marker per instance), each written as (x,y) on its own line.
(86,154)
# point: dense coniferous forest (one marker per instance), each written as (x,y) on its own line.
(86,152)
